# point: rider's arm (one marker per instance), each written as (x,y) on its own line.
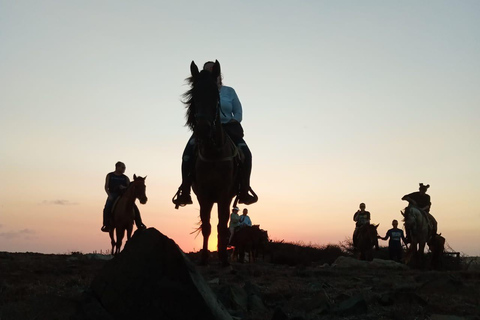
(355,216)
(106,184)
(409,200)
(236,107)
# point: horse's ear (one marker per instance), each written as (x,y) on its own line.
(134,177)
(194,69)
(145,178)
(376,226)
(216,69)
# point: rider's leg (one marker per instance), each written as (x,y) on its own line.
(138,218)
(107,213)
(354,237)
(245,172)
(183,194)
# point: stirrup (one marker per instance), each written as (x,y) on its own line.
(181,199)
(246,198)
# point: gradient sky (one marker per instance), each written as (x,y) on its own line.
(344,102)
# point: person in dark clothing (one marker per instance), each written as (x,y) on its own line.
(395,245)
(420,198)
(361,218)
(115,184)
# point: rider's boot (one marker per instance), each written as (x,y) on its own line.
(182,197)
(244,196)
(106,216)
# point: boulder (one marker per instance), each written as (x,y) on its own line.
(153,279)
(354,306)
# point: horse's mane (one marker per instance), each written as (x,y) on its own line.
(204,78)
(189,105)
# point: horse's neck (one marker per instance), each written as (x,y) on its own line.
(129,195)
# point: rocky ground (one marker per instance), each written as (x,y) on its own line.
(38,286)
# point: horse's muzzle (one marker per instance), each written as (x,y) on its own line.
(143,200)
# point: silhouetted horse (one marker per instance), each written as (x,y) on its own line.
(420,228)
(251,240)
(436,244)
(123,213)
(367,238)
(215,166)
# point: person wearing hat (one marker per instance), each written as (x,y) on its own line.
(361,218)
(420,198)
(234,222)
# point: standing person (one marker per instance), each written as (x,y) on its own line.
(395,245)
(231,114)
(234,222)
(115,184)
(361,218)
(244,219)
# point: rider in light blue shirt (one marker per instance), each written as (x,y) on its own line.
(244,219)
(230,116)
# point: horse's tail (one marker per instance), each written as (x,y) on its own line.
(198,230)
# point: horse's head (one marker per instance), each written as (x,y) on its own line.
(203,101)
(140,188)
(410,218)
(368,235)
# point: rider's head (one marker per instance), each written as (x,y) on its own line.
(245,211)
(120,167)
(423,188)
(362,206)
(209,67)
(395,223)
(235,210)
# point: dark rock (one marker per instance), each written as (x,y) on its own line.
(385,299)
(233,297)
(279,314)
(353,306)
(153,279)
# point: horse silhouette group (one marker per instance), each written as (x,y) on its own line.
(216,181)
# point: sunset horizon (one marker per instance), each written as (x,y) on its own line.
(343,103)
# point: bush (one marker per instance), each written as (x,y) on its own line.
(294,254)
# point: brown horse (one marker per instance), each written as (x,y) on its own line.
(215,164)
(249,239)
(123,213)
(420,228)
(367,238)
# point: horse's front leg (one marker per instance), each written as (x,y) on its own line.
(205,210)
(112,240)
(120,234)
(222,231)
(421,256)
